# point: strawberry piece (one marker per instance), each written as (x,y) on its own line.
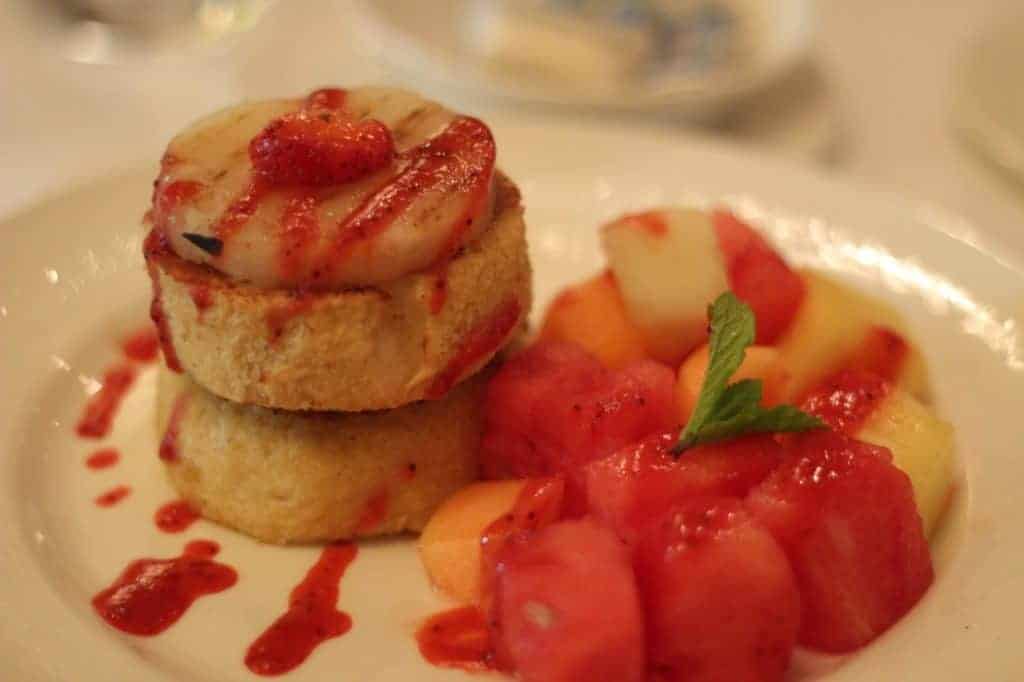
(719,596)
(566,607)
(553,408)
(319,147)
(847,520)
(759,276)
(638,483)
(846,400)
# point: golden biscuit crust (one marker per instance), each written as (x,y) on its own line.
(353,350)
(298,477)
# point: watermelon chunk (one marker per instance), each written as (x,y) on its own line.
(566,607)
(720,599)
(638,483)
(847,520)
(759,276)
(553,408)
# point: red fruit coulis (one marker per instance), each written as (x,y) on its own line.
(113,496)
(847,400)
(103,459)
(312,616)
(201,297)
(651,222)
(100,410)
(151,595)
(479,343)
(175,517)
(458,638)
(142,345)
(169,443)
(279,317)
(156,246)
(300,229)
(375,511)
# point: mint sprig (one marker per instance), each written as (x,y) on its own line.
(725,410)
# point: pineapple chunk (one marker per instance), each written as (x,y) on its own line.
(830,325)
(921,445)
(450,543)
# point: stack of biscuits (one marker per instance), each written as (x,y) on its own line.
(313,392)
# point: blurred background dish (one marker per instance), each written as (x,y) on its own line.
(689,58)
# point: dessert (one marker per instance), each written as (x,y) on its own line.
(331,275)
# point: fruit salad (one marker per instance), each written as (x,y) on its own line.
(705,459)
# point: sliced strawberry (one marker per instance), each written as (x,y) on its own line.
(847,520)
(554,408)
(719,596)
(566,607)
(638,483)
(319,147)
(759,276)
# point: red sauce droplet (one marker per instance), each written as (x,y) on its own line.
(142,345)
(99,412)
(154,247)
(175,517)
(201,296)
(238,212)
(103,459)
(300,229)
(278,317)
(375,511)
(327,98)
(312,616)
(113,496)
(458,638)
(460,158)
(152,594)
(847,400)
(539,503)
(173,194)
(481,342)
(439,292)
(169,443)
(651,222)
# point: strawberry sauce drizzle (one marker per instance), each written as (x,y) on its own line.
(312,616)
(151,595)
(238,212)
(300,229)
(175,516)
(202,297)
(156,246)
(847,400)
(457,638)
(279,317)
(168,451)
(142,345)
(99,412)
(480,343)
(103,459)
(113,496)
(374,512)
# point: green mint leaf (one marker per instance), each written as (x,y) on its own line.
(732,330)
(782,418)
(727,410)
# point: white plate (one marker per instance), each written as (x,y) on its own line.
(989,105)
(71,282)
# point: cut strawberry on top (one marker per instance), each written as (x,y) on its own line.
(719,596)
(759,276)
(566,607)
(638,483)
(319,147)
(847,520)
(553,407)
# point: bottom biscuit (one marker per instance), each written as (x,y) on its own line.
(293,477)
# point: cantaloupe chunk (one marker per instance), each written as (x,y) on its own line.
(830,326)
(921,445)
(592,315)
(760,362)
(450,544)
